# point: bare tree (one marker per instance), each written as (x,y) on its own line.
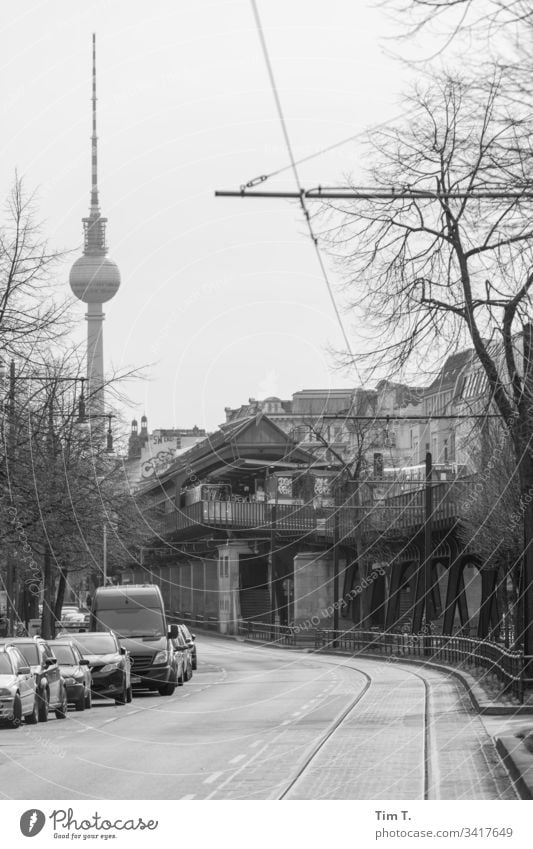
(29,317)
(455,17)
(60,487)
(450,269)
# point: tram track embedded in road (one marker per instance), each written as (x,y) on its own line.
(343,716)
(329,733)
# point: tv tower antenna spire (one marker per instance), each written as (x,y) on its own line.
(94,143)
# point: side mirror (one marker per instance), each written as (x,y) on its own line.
(173,632)
(50,661)
(123,650)
(24,670)
(84,662)
(193,636)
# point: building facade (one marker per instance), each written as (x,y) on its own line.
(291,498)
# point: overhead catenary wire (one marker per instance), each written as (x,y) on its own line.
(262,178)
(293,166)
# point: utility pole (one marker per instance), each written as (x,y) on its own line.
(526,484)
(47,625)
(104,558)
(335,576)
(11,447)
(423,584)
(273,571)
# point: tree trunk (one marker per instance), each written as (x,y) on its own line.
(48,621)
(60,595)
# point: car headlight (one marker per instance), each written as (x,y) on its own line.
(161,657)
(5,692)
(69,680)
(110,667)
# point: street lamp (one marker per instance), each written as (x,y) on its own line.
(84,418)
(113,525)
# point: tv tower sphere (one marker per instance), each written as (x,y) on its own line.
(94,278)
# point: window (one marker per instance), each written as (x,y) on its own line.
(30,653)
(5,664)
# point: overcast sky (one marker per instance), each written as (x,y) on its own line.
(222,296)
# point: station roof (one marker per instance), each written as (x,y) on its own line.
(248,443)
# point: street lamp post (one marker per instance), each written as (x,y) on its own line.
(104,558)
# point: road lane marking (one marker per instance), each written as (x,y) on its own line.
(286,722)
(189,796)
(238,771)
(236,759)
(213,777)
(256,743)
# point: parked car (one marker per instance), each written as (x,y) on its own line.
(183,659)
(18,696)
(75,671)
(73,618)
(109,664)
(190,640)
(136,613)
(51,690)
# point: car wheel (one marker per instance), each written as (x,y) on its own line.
(89,700)
(194,663)
(129,694)
(62,710)
(80,704)
(16,719)
(167,689)
(181,679)
(122,699)
(33,717)
(42,703)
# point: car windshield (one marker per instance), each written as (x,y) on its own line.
(5,664)
(133,622)
(96,643)
(30,653)
(64,655)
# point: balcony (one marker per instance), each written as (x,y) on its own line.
(400,514)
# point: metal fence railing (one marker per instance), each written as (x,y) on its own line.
(282,635)
(508,666)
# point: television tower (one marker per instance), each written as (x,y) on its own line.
(94,278)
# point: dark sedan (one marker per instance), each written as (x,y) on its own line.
(109,664)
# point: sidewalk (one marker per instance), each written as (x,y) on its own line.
(485,696)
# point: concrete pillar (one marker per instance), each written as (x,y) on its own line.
(229,605)
(313,589)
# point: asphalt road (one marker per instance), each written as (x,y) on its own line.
(254,724)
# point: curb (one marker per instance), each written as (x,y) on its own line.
(519,764)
